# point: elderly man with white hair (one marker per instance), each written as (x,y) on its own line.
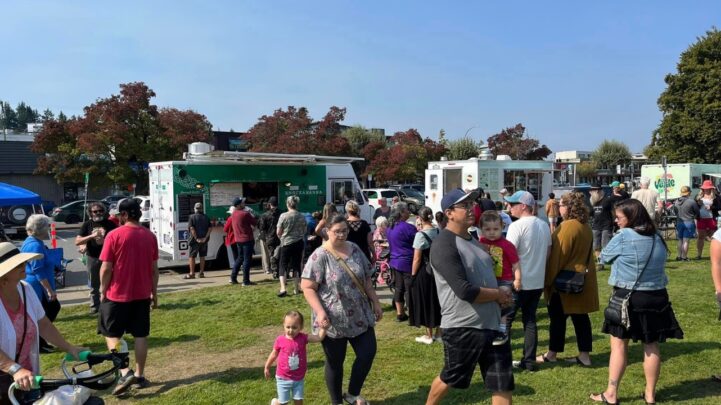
(648,197)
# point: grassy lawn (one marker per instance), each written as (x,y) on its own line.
(209,346)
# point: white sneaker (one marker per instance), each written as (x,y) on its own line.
(424,339)
(274,401)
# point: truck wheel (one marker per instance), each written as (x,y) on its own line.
(18,214)
(72,219)
(221,259)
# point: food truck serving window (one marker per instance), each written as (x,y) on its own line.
(344,190)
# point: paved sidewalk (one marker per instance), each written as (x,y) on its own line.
(171,281)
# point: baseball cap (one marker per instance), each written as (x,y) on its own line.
(238,200)
(685,190)
(457,196)
(273,201)
(231,209)
(130,206)
(521,197)
(615,184)
(198,206)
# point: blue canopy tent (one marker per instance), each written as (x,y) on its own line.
(14,195)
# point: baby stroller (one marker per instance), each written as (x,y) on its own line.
(383,274)
(77,386)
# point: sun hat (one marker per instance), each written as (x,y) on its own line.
(521,197)
(457,196)
(707,185)
(685,190)
(11,257)
(615,184)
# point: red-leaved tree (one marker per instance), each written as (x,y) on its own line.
(515,143)
(404,159)
(294,131)
(117,137)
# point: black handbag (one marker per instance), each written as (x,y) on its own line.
(616,312)
(572,281)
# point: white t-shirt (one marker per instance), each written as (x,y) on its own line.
(532,237)
(647,197)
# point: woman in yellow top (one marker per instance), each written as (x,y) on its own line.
(571,248)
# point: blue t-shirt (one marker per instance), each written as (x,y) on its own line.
(40,269)
(400,240)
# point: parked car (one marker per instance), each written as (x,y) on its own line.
(144,202)
(73,212)
(413,198)
(111,199)
(418,187)
(374,194)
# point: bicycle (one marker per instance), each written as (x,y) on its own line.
(78,377)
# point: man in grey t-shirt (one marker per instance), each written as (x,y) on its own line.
(470,306)
(199,227)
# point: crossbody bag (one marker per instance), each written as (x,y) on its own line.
(350,273)
(572,281)
(617,310)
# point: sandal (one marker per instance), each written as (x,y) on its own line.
(604,400)
(545,359)
(643,396)
(353,400)
(188,276)
(578,361)
(201,275)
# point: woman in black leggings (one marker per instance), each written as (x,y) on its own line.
(341,266)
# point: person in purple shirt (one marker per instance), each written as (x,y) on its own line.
(400,240)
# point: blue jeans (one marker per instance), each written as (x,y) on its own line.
(287,389)
(245,254)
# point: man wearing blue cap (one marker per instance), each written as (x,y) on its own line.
(532,239)
(470,306)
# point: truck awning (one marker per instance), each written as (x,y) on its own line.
(14,195)
(258,157)
(714,175)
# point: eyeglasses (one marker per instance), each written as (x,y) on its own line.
(465,206)
(340,233)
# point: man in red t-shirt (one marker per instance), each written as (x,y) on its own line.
(128,288)
(243,222)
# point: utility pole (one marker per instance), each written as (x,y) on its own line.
(665,181)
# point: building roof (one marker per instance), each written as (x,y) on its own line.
(17,158)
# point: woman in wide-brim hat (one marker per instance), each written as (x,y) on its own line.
(21,314)
(709,205)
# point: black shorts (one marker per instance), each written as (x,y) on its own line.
(118,318)
(464,348)
(198,249)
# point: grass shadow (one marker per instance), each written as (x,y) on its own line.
(157,341)
(188,304)
(689,390)
(475,394)
(229,376)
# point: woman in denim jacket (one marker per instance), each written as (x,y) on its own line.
(636,245)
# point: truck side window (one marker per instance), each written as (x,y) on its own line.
(434,182)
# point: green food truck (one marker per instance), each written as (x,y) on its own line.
(216,178)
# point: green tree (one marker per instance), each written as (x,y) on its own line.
(359,137)
(25,115)
(462,149)
(609,154)
(8,118)
(442,137)
(47,115)
(585,170)
(690,130)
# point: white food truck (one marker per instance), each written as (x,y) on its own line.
(534,176)
(216,178)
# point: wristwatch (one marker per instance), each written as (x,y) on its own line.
(14,369)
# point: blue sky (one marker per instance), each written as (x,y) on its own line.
(574,73)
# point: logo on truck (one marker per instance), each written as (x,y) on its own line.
(670,183)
